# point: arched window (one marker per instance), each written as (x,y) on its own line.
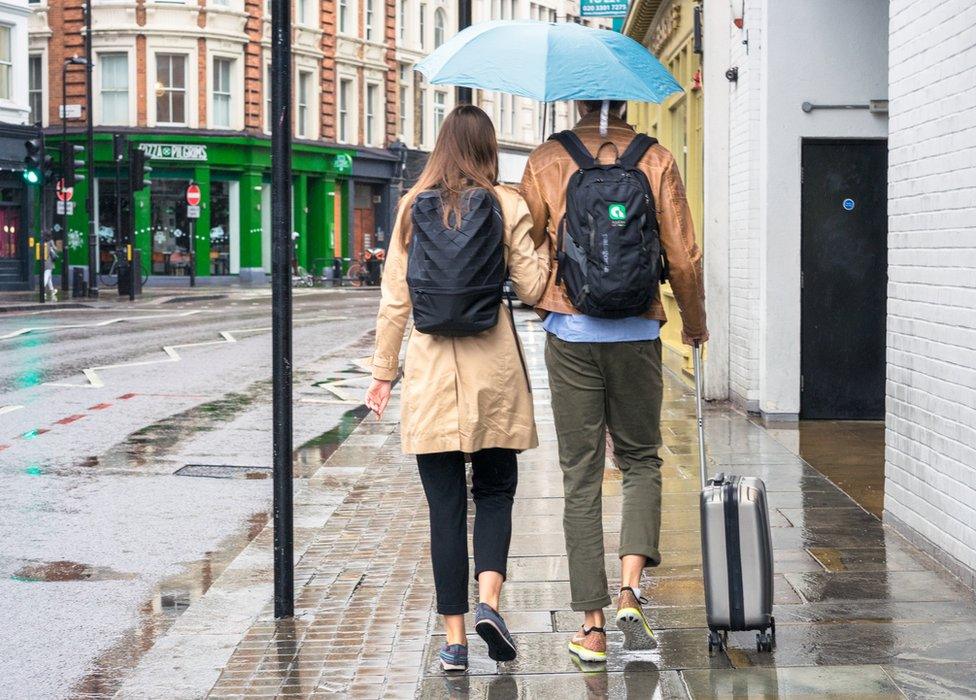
(439,20)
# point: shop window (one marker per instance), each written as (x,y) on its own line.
(6,66)
(440,19)
(169,227)
(440,111)
(35,87)
(220,227)
(113,70)
(222,68)
(109,221)
(170,88)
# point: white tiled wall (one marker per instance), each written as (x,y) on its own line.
(931,390)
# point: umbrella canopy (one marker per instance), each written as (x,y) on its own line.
(549,62)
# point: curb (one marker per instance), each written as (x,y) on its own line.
(41,307)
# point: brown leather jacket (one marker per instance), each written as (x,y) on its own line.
(544,189)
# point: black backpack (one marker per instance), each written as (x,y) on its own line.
(607,246)
(456,273)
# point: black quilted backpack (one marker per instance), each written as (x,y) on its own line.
(607,246)
(455,273)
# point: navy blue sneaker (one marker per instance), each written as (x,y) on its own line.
(491,627)
(454,657)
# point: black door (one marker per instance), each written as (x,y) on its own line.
(844,261)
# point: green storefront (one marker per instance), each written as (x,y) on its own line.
(231,239)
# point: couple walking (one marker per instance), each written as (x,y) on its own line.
(465,387)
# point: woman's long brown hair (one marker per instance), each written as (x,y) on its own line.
(465,156)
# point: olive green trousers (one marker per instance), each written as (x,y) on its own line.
(596,387)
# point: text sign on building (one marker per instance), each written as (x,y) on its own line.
(174,151)
(70,112)
(602,8)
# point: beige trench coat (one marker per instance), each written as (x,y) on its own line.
(470,393)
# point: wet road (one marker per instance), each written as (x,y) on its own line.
(134,454)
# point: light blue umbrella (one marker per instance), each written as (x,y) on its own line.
(549,62)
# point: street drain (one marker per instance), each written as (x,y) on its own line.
(224,471)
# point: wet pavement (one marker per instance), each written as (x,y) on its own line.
(860,612)
(108,539)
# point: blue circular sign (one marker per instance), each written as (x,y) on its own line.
(848,204)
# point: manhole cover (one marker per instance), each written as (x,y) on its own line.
(224,471)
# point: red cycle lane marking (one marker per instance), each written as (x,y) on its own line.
(125,397)
(70,419)
(99,407)
(3,447)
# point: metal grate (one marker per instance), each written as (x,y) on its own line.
(224,471)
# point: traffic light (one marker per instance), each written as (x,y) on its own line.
(139,169)
(71,164)
(32,161)
(48,171)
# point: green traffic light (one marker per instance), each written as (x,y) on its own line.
(32,177)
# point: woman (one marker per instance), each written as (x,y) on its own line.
(463,395)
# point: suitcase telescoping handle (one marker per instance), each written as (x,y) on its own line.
(696,355)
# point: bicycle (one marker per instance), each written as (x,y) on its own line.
(111,278)
(359,271)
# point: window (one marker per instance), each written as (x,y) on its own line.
(423,24)
(439,21)
(170,88)
(403,110)
(503,122)
(512,106)
(370,19)
(345,88)
(372,91)
(304,82)
(267,97)
(221,93)
(302,12)
(6,65)
(344,16)
(114,71)
(35,88)
(421,115)
(402,29)
(440,111)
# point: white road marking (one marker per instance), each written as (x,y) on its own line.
(172,354)
(98,324)
(9,409)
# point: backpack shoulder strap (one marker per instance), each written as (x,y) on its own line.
(571,142)
(636,150)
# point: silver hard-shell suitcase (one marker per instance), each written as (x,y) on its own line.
(737,549)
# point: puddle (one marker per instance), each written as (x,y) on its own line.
(59,571)
(314,453)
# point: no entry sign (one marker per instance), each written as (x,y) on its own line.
(193,195)
(64,193)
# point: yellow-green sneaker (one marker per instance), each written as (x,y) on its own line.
(589,644)
(631,620)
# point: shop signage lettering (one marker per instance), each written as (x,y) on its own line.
(603,8)
(174,151)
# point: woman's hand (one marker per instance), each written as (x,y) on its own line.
(378,395)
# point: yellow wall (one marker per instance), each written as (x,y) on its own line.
(677,124)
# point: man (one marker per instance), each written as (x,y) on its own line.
(605,373)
